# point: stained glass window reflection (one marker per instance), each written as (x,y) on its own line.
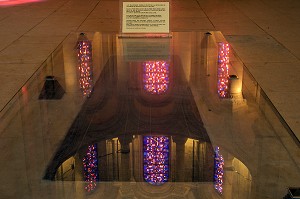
(84,55)
(223,68)
(219,171)
(156,76)
(156,159)
(90,167)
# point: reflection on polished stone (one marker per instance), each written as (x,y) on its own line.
(93,147)
(156,159)
(51,90)
(84,54)
(90,167)
(219,171)
(156,76)
(223,68)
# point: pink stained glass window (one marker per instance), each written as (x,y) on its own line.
(156,159)
(223,69)
(156,76)
(84,54)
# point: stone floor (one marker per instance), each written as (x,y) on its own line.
(263,33)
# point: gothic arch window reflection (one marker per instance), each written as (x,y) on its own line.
(156,76)
(156,159)
(90,167)
(223,68)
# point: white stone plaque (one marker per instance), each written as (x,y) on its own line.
(145,17)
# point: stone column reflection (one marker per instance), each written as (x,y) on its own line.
(78,169)
(228,175)
(103,163)
(207,56)
(180,154)
(125,169)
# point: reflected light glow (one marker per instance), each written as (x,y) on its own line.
(156,159)
(156,76)
(219,171)
(4,3)
(223,67)
(84,54)
(90,168)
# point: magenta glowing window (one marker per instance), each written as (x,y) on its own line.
(223,67)
(156,76)
(84,54)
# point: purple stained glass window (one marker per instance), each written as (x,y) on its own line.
(219,171)
(90,167)
(156,76)
(156,159)
(223,69)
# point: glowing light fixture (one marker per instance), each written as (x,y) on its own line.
(156,76)
(223,68)
(219,171)
(90,167)
(84,54)
(156,159)
(5,3)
